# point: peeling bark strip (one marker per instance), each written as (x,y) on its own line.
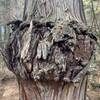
(50,62)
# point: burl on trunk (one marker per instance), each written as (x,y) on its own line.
(50,59)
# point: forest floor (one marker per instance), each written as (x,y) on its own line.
(8,85)
(9,89)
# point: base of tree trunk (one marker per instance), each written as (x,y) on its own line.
(48,61)
(31,90)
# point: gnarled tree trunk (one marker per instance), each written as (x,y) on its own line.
(50,59)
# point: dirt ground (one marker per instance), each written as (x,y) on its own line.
(8,85)
(9,88)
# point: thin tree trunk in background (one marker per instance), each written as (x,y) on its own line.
(25,9)
(51,63)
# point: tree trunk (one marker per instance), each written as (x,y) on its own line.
(53,10)
(50,59)
(50,90)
